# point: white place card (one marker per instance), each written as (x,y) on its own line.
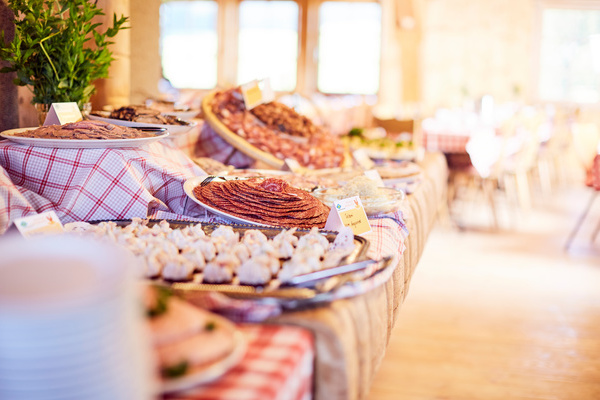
(44,223)
(63,113)
(257,92)
(348,212)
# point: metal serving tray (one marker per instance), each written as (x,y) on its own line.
(302,288)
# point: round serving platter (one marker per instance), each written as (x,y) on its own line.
(234,139)
(173,129)
(80,144)
(211,372)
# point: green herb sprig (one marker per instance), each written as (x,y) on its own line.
(57,49)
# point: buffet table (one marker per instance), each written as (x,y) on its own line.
(350,335)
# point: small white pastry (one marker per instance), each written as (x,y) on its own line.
(255,271)
(313,241)
(254,238)
(221,268)
(242,252)
(286,236)
(178,268)
(284,249)
(195,256)
(206,246)
(301,263)
(177,237)
(344,240)
(226,232)
(154,264)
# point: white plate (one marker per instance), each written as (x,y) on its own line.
(173,129)
(211,372)
(79,144)
(188,188)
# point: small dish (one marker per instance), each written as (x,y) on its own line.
(385,200)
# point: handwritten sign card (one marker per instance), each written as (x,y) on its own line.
(348,212)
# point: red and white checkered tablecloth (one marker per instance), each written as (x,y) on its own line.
(278,365)
(92,184)
(445,142)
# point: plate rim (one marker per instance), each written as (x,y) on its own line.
(213,371)
(77,143)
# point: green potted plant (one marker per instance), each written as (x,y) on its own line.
(57,50)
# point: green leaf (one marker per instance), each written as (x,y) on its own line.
(62,28)
(176,370)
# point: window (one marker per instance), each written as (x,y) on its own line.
(305,45)
(566,62)
(268,43)
(349,47)
(189,44)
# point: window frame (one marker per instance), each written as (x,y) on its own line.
(541,6)
(308,40)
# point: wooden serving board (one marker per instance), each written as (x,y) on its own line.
(233,138)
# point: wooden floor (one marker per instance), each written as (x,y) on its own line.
(502,316)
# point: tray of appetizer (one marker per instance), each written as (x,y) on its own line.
(271,132)
(85,134)
(289,266)
(137,116)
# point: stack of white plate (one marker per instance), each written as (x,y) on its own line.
(71,323)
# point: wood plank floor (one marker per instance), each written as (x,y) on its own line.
(502,316)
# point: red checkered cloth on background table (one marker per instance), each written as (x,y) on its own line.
(445,142)
(278,365)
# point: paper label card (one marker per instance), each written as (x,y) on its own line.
(348,212)
(267,93)
(63,113)
(45,223)
(373,175)
(257,92)
(362,159)
(252,95)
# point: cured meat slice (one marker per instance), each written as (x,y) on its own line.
(272,201)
